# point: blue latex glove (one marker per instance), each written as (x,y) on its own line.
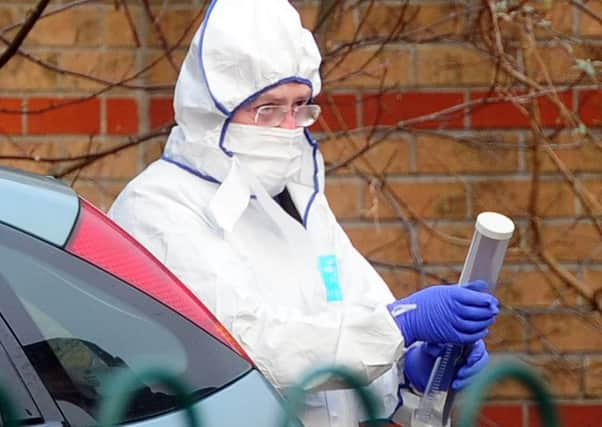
(419,362)
(447,314)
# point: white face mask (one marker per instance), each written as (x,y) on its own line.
(273,155)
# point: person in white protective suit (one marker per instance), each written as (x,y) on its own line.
(236,209)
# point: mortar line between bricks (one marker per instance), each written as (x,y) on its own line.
(143,98)
(509,177)
(577,310)
(413,154)
(467,114)
(24,117)
(104,129)
(468,199)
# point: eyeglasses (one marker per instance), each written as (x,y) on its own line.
(273,115)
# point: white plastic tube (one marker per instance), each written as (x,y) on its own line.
(487,249)
(483,262)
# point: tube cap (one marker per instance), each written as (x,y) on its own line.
(494,225)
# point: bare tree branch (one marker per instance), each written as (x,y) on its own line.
(591,296)
(122,84)
(131,23)
(582,6)
(88,159)
(12,48)
(157,27)
(56,10)
(109,85)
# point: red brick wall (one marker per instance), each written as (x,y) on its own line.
(441,177)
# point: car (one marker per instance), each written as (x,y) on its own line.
(81,303)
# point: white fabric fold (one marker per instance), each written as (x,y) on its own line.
(230,200)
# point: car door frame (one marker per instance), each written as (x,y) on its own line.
(24,374)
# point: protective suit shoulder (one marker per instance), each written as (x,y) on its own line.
(152,209)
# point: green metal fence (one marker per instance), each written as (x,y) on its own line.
(477,392)
(125,386)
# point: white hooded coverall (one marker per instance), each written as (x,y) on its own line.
(296,296)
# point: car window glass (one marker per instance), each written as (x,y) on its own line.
(12,384)
(80,327)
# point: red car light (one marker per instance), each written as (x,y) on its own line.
(103,243)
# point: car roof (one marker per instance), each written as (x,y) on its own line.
(41,206)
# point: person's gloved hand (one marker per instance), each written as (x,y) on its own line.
(476,360)
(419,362)
(446,314)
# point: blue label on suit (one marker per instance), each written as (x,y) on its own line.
(327,265)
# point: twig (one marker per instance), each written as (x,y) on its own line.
(22,34)
(581,6)
(109,85)
(571,280)
(159,32)
(88,159)
(592,206)
(409,267)
(121,84)
(130,20)
(54,11)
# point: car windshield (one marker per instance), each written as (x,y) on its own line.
(80,327)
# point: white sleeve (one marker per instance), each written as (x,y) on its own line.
(369,289)
(285,342)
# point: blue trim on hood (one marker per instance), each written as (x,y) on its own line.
(291,79)
(195,172)
(314,145)
(221,107)
(190,170)
(218,104)
(253,97)
(222,136)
